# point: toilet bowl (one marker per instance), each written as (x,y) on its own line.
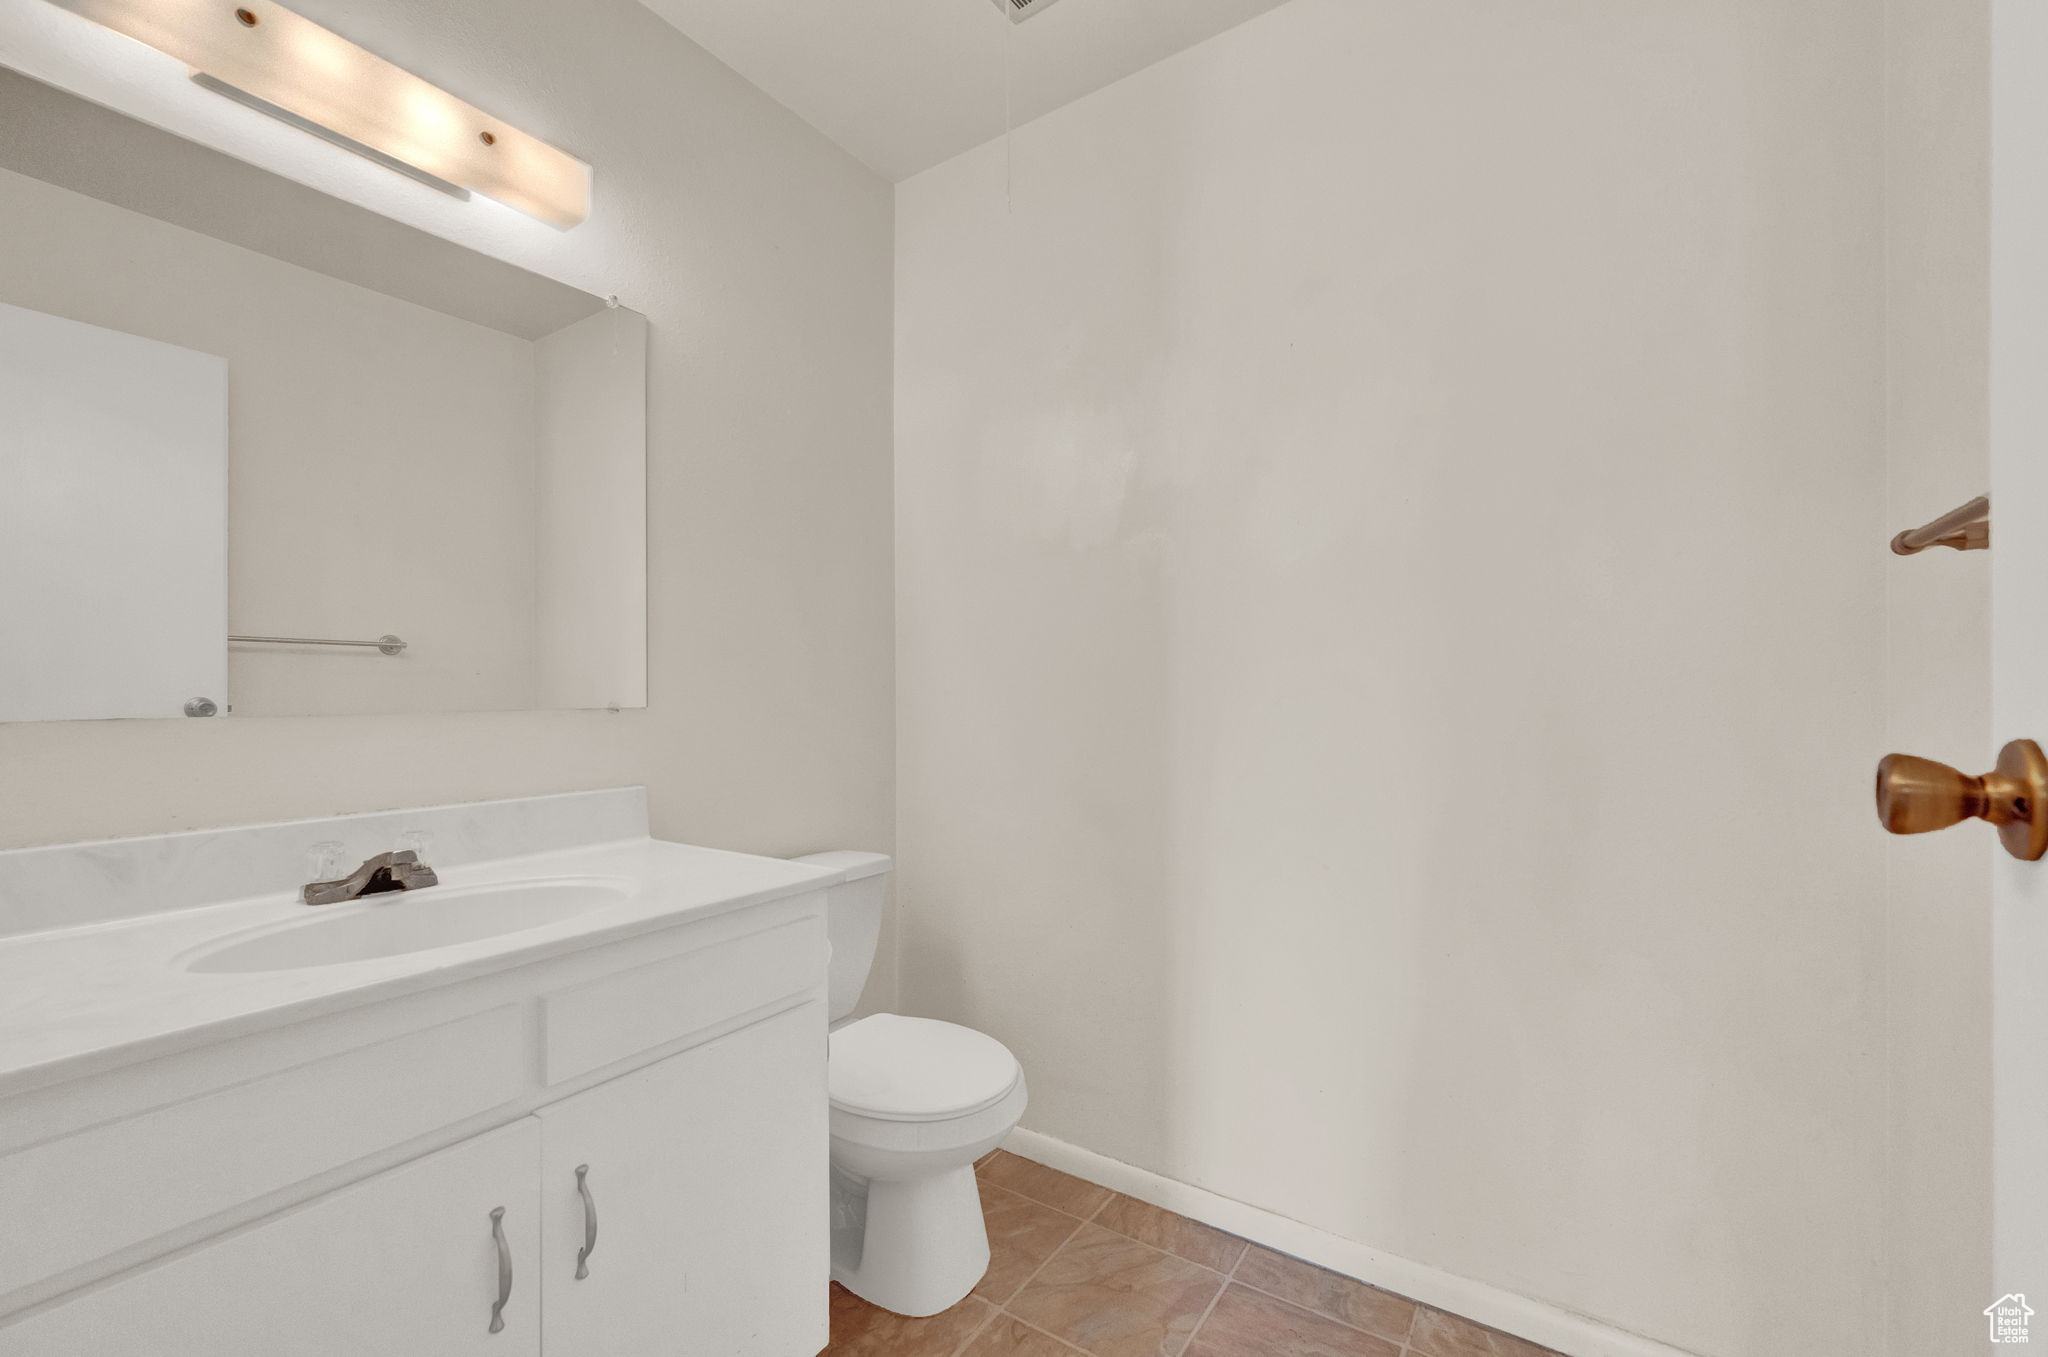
(914,1103)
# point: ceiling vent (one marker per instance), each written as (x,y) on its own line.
(1020,10)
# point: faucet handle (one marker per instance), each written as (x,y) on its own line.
(324,860)
(409,866)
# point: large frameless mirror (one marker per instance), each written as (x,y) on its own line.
(266,452)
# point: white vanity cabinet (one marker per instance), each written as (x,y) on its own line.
(405,1262)
(327,1188)
(729,1256)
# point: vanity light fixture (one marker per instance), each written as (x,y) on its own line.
(1020,10)
(283,64)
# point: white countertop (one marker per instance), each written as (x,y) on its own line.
(76,1000)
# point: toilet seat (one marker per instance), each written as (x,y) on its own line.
(892,1068)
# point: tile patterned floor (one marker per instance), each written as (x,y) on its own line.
(1078,1269)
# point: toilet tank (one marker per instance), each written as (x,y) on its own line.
(853,921)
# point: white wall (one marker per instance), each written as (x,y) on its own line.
(1937,669)
(1390,586)
(761,256)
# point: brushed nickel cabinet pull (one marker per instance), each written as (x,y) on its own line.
(504,1269)
(589,1222)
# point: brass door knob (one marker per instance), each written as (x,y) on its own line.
(1917,795)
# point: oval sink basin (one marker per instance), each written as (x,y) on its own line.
(399,922)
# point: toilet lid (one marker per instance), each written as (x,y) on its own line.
(917,1069)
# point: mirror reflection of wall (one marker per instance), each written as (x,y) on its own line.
(421,441)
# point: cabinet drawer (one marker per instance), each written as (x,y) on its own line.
(84,1196)
(588,1026)
(403,1263)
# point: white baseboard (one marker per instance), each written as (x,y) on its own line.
(1561,1329)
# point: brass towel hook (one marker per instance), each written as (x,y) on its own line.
(1917,795)
(1966,527)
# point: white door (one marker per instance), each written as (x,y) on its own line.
(706,1202)
(113,522)
(2019,628)
(405,1263)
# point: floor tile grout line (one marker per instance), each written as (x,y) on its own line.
(1226,1272)
(1092,1219)
(1025,1196)
(1236,1280)
(1222,1278)
(1088,1219)
(994,1312)
(1164,1253)
(1042,1265)
(1095,1218)
(1052,1337)
(1207,1310)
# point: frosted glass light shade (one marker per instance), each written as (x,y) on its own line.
(1020,10)
(287,60)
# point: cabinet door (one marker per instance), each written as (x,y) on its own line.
(706,1176)
(403,1263)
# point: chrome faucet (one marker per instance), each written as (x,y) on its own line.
(400,871)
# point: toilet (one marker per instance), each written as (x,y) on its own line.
(914,1102)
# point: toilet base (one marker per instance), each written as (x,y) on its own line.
(913,1247)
